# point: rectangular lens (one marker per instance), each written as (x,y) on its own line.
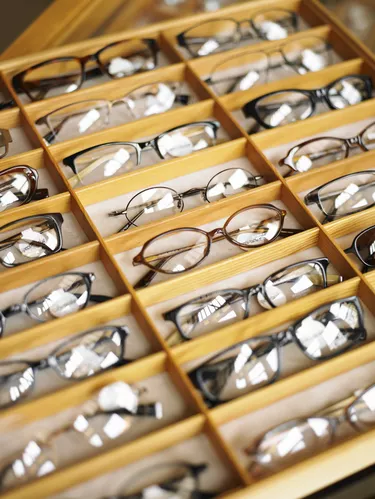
(186,140)
(75,120)
(283,108)
(211,312)
(211,37)
(348,194)
(127,58)
(53,78)
(102,162)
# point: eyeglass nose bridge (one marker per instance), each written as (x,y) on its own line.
(354,142)
(219,231)
(320,94)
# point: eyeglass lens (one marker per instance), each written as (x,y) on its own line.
(15,189)
(27,240)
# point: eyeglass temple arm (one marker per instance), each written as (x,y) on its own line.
(99,298)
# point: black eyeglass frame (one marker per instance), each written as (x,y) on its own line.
(69,161)
(315,96)
(313,197)
(18,79)
(279,340)
(247,293)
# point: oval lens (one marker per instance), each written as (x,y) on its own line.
(211,37)
(15,189)
(153,204)
(283,108)
(319,152)
(102,162)
(294,282)
(176,251)
(155,98)
(240,370)
(75,120)
(26,240)
(329,330)
(229,182)
(289,443)
(16,382)
(53,78)
(186,140)
(368,138)
(127,58)
(362,412)
(89,353)
(308,54)
(211,312)
(348,194)
(57,296)
(254,226)
(274,24)
(240,73)
(348,92)
(365,246)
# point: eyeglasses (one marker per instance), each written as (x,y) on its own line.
(30,238)
(323,151)
(113,158)
(247,366)
(287,106)
(225,34)
(117,408)
(67,74)
(84,117)
(219,309)
(181,250)
(169,480)
(363,247)
(250,69)
(345,195)
(5,140)
(55,297)
(155,203)
(18,186)
(77,358)
(290,442)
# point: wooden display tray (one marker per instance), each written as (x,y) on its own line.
(112,251)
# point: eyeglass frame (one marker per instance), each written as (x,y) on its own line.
(267,53)
(140,146)
(18,308)
(278,341)
(349,143)
(49,361)
(220,231)
(313,196)
(18,79)
(315,96)
(327,414)
(43,120)
(249,292)
(182,42)
(179,196)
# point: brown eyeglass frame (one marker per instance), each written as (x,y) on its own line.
(32,175)
(5,140)
(139,259)
(18,80)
